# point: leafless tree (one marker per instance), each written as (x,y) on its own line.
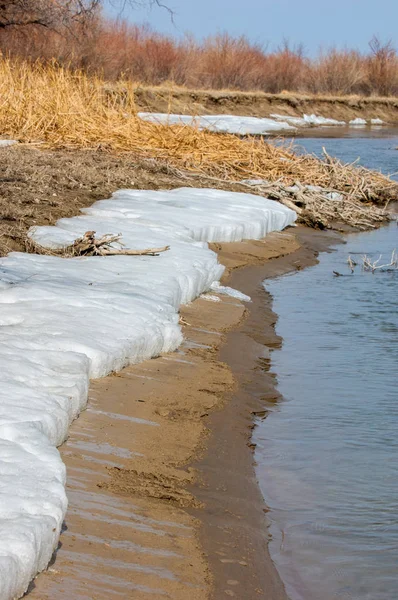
(54,14)
(45,13)
(382,67)
(121,5)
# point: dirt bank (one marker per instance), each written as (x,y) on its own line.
(38,186)
(163,496)
(258,104)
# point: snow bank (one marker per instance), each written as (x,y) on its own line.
(294,121)
(251,125)
(358,122)
(63,321)
(228,291)
(241,125)
(221,123)
(322,121)
(316,120)
(307,120)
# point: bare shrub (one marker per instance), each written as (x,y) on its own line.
(382,68)
(16,14)
(285,69)
(337,72)
(116,49)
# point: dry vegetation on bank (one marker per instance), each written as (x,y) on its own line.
(69,117)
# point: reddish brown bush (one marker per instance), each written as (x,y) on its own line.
(382,68)
(337,72)
(119,50)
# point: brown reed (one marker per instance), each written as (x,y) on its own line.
(60,108)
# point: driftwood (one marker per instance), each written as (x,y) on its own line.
(325,208)
(351,263)
(89,245)
(373,265)
(340,194)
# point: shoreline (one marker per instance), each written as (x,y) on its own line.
(194,475)
(229,456)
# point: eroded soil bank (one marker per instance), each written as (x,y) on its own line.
(163,499)
(259,104)
(39,186)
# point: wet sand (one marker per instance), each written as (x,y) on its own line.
(163,499)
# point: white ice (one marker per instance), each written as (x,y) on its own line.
(228,291)
(322,121)
(64,320)
(251,125)
(307,120)
(5,143)
(221,123)
(255,182)
(294,121)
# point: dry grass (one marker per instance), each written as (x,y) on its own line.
(57,108)
(62,108)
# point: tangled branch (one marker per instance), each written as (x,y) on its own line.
(324,208)
(89,245)
(369,265)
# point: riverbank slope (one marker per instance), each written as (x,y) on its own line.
(259,104)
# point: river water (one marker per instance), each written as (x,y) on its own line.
(327,454)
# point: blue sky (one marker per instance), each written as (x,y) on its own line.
(314,23)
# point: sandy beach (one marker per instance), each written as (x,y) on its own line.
(163,500)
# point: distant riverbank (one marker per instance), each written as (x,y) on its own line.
(258,104)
